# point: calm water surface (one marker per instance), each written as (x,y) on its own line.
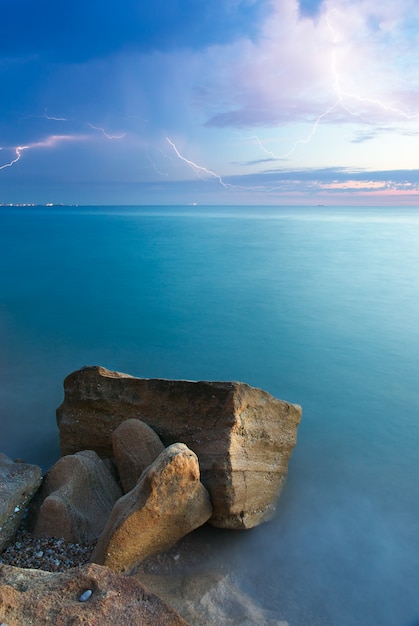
(319,306)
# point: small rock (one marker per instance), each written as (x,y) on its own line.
(86,595)
(37,597)
(135,446)
(76,498)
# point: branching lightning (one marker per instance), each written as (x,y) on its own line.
(342,98)
(200,171)
(204,172)
(341,93)
(339,102)
(51,140)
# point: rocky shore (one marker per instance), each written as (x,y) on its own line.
(47,553)
(148,468)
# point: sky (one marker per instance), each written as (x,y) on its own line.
(226,102)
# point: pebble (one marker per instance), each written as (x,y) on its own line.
(86,595)
(47,553)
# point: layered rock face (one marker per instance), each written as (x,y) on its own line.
(242,436)
(18,483)
(168,502)
(88,594)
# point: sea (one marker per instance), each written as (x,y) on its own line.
(317,305)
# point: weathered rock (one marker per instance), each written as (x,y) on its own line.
(76,498)
(168,502)
(37,597)
(18,484)
(135,446)
(242,436)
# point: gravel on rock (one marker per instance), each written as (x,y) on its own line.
(46,553)
(56,555)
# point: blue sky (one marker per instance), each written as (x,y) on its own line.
(234,101)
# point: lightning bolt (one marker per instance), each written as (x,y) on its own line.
(201,171)
(341,93)
(18,152)
(339,98)
(51,140)
(102,130)
(154,166)
(45,116)
(341,102)
(271,154)
(48,142)
(55,119)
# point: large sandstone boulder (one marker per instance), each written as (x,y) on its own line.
(76,498)
(58,599)
(135,446)
(242,436)
(18,484)
(168,502)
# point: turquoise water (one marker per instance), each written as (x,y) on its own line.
(318,306)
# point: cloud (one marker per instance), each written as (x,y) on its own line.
(77,31)
(331,82)
(330,179)
(355,58)
(235,63)
(257,161)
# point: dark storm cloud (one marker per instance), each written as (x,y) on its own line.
(77,31)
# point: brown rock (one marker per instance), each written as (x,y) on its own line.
(76,498)
(242,436)
(18,484)
(168,502)
(135,446)
(36,597)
